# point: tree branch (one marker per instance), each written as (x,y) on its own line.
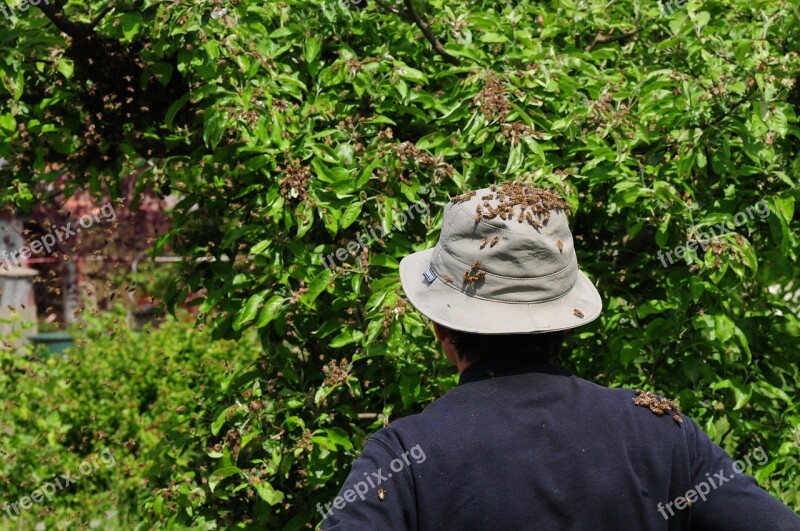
(56,15)
(602,38)
(744,99)
(117,81)
(93,24)
(394,11)
(429,34)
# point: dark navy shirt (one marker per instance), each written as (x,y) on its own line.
(516,448)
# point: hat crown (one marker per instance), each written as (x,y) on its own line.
(520,250)
(508,244)
(491,273)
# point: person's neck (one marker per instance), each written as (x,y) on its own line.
(462,365)
(505,364)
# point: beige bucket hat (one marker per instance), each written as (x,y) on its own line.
(504,264)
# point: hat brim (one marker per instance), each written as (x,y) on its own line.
(447,305)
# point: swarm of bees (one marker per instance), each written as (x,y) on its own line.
(532,222)
(532,201)
(474,274)
(535,205)
(658,405)
(463,197)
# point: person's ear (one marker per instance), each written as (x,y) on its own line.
(442,332)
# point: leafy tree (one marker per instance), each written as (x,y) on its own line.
(292,128)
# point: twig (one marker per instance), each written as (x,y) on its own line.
(93,24)
(393,10)
(602,38)
(429,34)
(744,99)
(54,12)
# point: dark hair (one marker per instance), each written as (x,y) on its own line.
(542,348)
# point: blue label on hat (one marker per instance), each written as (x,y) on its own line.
(429,275)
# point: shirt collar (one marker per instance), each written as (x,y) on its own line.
(505,365)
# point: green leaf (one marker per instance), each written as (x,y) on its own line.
(629,351)
(350,214)
(773,392)
(270,310)
(663,231)
(280,33)
(66,67)
(131,24)
(312,50)
(724,327)
(346,337)
(220,420)
(260,247)
(317,286)
(220,474)
(249,311)
(333,438)
(514,159)
(654,306)
(741,392)
(701,19)
(213,128)
(410,387)
(411,74)
(746,250)
(491,38)
(783,206)
(268,493)
(162,72)
(174,108)
(8,123)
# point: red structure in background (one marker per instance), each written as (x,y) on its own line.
(92,266)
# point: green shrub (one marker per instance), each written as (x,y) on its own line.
(124,392)
(290,128)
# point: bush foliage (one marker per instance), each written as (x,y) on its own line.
(136,394)
(290,128)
